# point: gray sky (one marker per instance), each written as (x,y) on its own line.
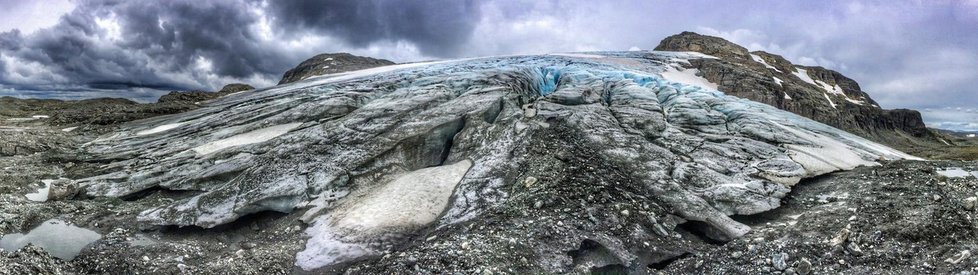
(906,54)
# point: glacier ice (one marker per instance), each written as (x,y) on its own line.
(339,147)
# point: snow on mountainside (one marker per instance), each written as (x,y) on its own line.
(813,92)
(371,157)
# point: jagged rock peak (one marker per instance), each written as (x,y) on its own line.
(330,63)
(694,42)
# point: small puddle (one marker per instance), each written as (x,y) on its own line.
(42,194)
(957,172)
(54,236)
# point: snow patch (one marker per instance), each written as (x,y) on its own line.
(412,200)
(256,136)
(834,89)
(830,100)
(971,135)
(803,75)
(54,236)
(160,129)
(778,81)
(688,77)
(69,129)
(853,101)
(758,59)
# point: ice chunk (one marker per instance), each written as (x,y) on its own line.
(413,200)
(159,129)
(256,136)
(56,237)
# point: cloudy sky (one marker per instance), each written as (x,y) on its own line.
(907,54)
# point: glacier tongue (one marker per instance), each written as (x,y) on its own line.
(440,143)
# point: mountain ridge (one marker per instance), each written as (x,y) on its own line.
(811,91)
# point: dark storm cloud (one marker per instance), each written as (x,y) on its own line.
(437,27)
(185,44)
(151,39)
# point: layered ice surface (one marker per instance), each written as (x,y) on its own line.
(54,236)
(372,155)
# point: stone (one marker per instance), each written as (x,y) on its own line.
(62,189)
(970,203)
(803,266)
(840,238)
(779,261)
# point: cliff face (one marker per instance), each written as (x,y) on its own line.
(330,63)
(818,93)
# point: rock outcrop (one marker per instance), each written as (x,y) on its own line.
(194,97)
(813,92)
(331,63)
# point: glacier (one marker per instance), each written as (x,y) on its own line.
(439,143)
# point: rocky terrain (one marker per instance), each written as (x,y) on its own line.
(814,92)
(331,63)
(20,138)
(608,162)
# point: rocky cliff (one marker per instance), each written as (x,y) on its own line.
(330,63)
(814,92)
